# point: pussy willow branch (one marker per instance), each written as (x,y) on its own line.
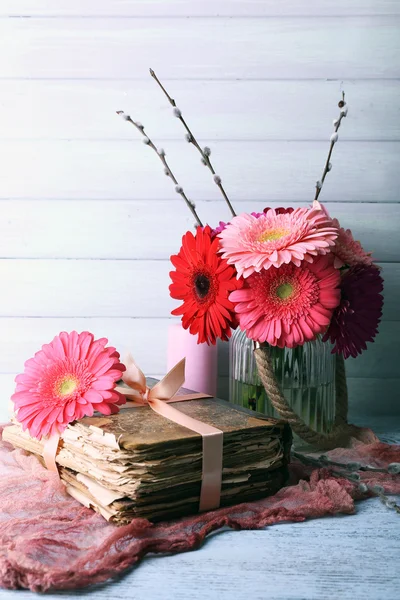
(161,155)
(334,139)
(205,152)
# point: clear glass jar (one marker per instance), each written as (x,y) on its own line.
(306,376)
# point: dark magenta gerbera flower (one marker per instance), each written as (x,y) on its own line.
(217,230)
(355,321)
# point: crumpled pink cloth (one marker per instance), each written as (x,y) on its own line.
(48,541)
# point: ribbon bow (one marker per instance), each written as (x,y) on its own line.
(158,398)
(140,393)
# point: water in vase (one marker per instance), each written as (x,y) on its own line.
(306,376)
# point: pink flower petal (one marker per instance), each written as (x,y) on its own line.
(86,411)
(93,396)
(104,408)
(103,383)
(102,365)
(70,409)
(85,341)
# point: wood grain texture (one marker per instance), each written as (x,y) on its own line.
(7,388)
(224,110)
(195,8)
(126,288)
(115,229)
(146,338)
(86,288)
(258,80)
(266,171)
(276,48)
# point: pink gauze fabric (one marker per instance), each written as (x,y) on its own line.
(48,541)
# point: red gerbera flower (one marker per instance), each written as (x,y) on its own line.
(356,319)
(203,280)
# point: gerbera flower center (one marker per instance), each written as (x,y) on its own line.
(273,234)
(67,385)
(202,285)
(285,290)
(286,293)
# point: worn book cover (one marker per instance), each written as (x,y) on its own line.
(139,464)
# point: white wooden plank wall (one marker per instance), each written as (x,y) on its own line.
(88,220)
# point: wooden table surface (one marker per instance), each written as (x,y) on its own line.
(339,558)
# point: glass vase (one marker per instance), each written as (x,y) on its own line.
(306,376)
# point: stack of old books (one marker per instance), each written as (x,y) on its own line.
(139,464)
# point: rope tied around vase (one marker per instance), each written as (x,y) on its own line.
(341,430)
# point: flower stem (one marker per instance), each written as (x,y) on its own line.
(328,166)
(161,155)
(205,152)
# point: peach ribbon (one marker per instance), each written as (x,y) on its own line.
(50,448)
(158,398)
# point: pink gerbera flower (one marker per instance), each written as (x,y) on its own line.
(67,380)
(290,305)
(276,238)
(347,251)
(355,321)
